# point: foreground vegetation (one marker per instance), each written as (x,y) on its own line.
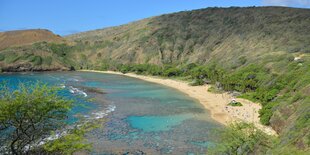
(240,139)
(28,117)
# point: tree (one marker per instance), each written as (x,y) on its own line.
(242,138)
(29,114)
(172,71)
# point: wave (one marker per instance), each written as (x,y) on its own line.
(62,86)
(73,79)
(57,78)
(55,136)
(96,115)
(105,112)
(77,91)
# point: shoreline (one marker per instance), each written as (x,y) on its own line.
(215,103)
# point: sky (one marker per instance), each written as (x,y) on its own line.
(65,17)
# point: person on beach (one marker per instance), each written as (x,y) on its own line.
(233,100)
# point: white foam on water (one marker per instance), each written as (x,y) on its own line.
(105,112)
(96,115)
(73,79)
(77,91)
(57,78)
(57,135)
(63,86)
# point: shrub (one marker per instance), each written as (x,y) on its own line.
(124,69)
(155,70)
(48,60)
(60,50)
(173,71)
(199,72)
(266,112)
(139,68)
(197,82)
(241,138)
(2,57)
(235,104)
(104,67)
(36,60)
(11,58)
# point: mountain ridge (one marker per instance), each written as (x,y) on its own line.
(203,31)
(17,37)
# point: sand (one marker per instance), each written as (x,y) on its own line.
(217,104)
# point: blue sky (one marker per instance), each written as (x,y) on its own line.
(70,16)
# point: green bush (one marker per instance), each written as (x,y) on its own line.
(104,67)
(36,60)
(26,56)
(2,57)
(60,50)
(241,138)
(11,58)
(139,68)
(212,89)
(172,71)
(124,69)
(199,72)
(266,112)
(48,60)
(197,82)
(155,70)
(235,104)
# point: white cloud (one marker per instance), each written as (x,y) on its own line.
(300,3)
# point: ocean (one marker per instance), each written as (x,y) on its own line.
(141,117)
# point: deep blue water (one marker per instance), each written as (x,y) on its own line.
(140,115)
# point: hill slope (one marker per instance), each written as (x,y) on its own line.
(24,37)
(204,35)
(30,50)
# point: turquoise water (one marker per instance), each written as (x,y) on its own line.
(140,116)
(157,123)
(82,105)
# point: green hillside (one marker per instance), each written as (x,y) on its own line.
(33,50)
(213,34)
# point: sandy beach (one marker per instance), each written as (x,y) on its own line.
(215,103)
